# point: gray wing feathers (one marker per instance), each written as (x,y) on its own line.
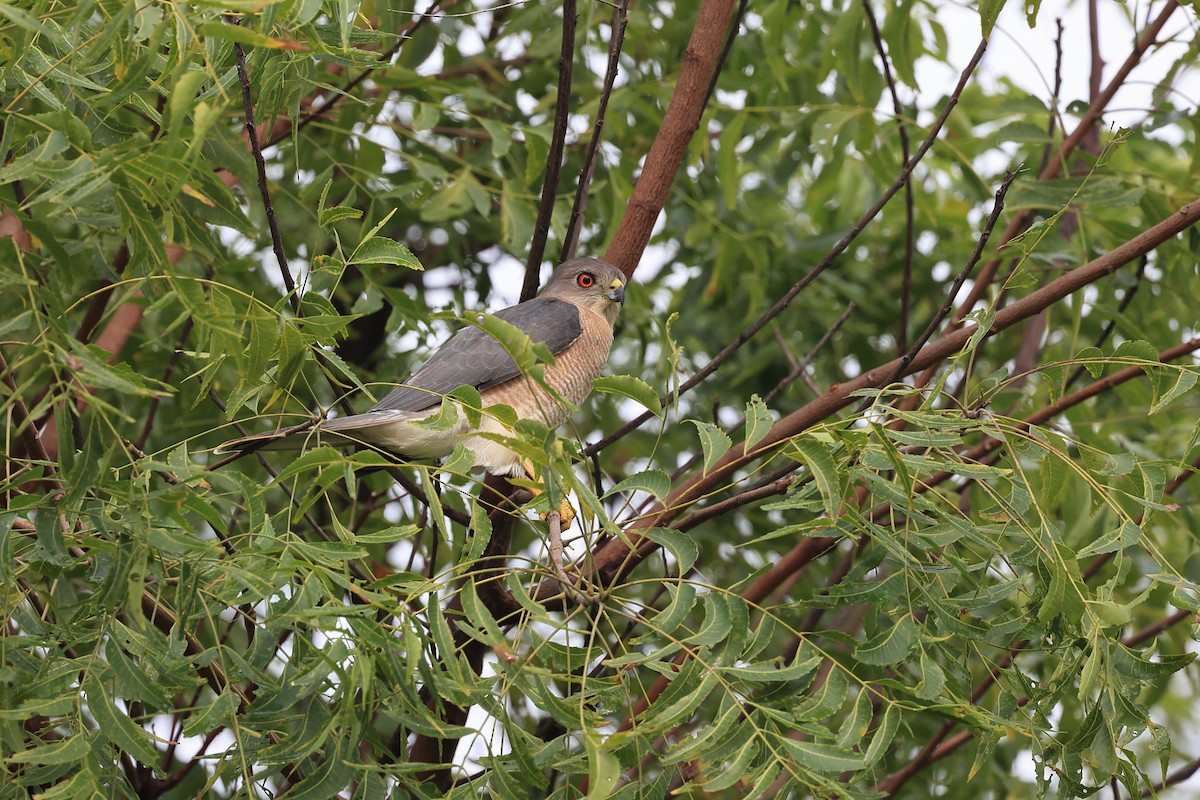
(474,358)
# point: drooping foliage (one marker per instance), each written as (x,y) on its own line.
(906,511)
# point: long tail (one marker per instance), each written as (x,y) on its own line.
(314,434)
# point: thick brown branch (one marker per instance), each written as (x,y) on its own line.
(619,555)
(680,122)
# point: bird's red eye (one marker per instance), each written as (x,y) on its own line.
(586,280)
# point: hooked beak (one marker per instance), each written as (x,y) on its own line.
(616,292)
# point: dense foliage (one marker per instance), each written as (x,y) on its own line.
(922,523)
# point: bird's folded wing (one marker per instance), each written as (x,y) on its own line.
(473,358)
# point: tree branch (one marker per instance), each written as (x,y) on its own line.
(562,113)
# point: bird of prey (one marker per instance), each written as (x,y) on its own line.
(573,316)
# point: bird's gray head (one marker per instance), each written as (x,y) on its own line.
(590,283)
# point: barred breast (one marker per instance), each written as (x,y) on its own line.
(571,376)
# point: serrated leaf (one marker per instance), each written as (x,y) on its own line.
(635,389)
(652,481)
(713,442)
(215,714)
(758,421)
(117,727)
(381,250)
(604,769)
(735,770)
(989,12)
(854,725)
(1125,536)
(1065,593)
(68,751)
(329,777)
(819,461)
(243,35)
(1137,350)
(933,678)
(388,535)
(501,136)
(823,757)
(679,544)
(884,733)
(891,645)
(1183,384)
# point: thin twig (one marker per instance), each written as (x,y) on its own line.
(562,113)
(909,212)
(800,368)
(616,42)
(384,59)
(1020,220)
(172,362)
(260,166)
(618,556)
(565,582)
(1111,325)
(948,305)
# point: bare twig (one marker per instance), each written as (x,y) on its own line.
(948,305)
(616,42)
(562,112)
(264,191)
(909,215)
(565,582)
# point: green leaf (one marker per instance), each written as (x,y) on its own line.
(1184,381)
(653,481)
(381,250)
(822,757)
(667,621)
(681,545)
(713,441)
(604,769)
(758,421)
(393,533)
(933,678)
(118,728)
(501,136)
(890,645)
(217,713)
(243,35)
(1119,539)
(819,461)
(329,777)
(74,749)
(989,12)
(1066,591)
(635,389)
(885,733)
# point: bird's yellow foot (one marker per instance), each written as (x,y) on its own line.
(566,513)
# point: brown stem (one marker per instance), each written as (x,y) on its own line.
(679,123)
(618,556)
(1068,146)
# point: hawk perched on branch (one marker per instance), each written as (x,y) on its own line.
(573,316)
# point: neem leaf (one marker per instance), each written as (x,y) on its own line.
(713,440)
(635,389)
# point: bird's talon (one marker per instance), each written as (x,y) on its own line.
(566,515)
